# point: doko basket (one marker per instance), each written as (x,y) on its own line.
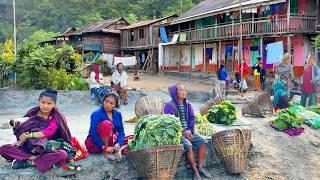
(232,148)
(157,163)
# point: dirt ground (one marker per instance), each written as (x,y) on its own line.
(274,154)
(151,82)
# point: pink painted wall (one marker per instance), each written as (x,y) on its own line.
(298,49)
(302,6)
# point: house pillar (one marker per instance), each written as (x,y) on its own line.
(204,57)
(219,54)
(261,48)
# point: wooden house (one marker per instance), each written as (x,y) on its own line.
(142,40)
(224,32)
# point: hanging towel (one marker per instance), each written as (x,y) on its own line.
(254,56)
(275,52)
(126,61)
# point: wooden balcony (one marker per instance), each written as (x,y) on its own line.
(251,28)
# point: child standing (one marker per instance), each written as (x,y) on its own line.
(263,76)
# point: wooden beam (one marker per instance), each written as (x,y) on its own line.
(288,16)
(204,57)
(179,61)
(190,69)
(289,44)
(219,54)
(261,48)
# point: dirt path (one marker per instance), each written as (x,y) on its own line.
(274,155)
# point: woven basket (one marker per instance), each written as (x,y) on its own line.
(232,148)
(157,163)
(149,105)
(211,102)
(261,106)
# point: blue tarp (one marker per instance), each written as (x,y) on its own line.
(163,34)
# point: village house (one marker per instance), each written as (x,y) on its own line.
(210,34)
(94,38)
(142,40)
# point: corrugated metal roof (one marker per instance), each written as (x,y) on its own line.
(141,23)
(212,6)
(96,26)
(145,23)
(67,32)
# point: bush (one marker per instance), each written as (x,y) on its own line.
(78,83)
(35,69)
(59,79)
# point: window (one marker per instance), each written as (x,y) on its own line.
(131,35)
(141,33)
(294,7)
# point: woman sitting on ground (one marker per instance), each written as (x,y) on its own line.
(180,107)
(281,95)
(106,133)
(238,85)
(45,123)
(96,84)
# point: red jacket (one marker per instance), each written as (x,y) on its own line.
(245,68)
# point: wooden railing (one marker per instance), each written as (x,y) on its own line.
(251,28)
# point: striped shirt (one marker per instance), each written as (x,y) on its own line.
(183,118)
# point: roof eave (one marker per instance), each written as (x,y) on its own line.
(246,4)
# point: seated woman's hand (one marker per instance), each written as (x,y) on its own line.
(110,150)
(24,136)
(187,134)
(117,148)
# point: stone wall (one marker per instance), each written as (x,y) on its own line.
(97,167)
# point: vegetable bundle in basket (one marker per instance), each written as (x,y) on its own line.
(203,126)
(156,148)
(156,130)
(224,113)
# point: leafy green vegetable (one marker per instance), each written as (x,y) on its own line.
(154,131)
(224,113)
(288,119)
(203,126)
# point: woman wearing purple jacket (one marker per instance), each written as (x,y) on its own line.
(180,107)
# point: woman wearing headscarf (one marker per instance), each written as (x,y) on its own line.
(96,84)
(284,72)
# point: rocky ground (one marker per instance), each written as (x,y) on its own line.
(274,154)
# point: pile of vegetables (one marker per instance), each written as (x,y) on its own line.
(288,119)
(315,109)
(156,130)
(224,113)
(203,126)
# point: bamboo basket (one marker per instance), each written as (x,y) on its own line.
(232,148)
(157,163)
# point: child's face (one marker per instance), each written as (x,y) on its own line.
(261,65)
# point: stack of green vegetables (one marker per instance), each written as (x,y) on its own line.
(315,109)
(203,126)
(224,113)
(288,119)
(156,130)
